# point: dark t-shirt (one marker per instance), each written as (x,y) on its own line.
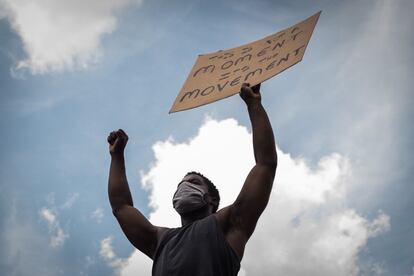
(196,249)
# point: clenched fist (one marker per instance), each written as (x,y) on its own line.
(250,94)
(117,141)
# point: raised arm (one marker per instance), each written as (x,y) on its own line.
(139,231)
(255,193)
(239,219)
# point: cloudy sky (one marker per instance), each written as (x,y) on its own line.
(72,71)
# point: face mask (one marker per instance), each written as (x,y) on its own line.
(188,197)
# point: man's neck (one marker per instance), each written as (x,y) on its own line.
(196,215)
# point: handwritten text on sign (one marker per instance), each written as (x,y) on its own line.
(219,75)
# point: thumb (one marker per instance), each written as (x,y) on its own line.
(256,88)
(111,138)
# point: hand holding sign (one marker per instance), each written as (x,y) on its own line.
(219,75)
(250,94)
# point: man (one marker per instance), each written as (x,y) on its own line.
(210,242)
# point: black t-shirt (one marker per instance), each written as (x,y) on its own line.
(196,249)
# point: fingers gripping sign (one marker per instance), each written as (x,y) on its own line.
(117,141)
(250,94)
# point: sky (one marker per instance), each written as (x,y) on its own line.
(73,71)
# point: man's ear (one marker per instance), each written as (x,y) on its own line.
(207,198)
(214,201)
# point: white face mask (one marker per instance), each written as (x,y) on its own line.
(188,197)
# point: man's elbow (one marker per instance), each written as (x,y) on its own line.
(118,206)
(116,210)
(270,165)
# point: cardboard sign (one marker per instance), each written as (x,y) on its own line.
(220,74)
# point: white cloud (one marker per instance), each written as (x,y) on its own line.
(107,253)
(376,269)
(58,236)
(90,261)
(362,99)
(379,225)
(70,201)
(24,248)
(307,229)
(58,239)
(3,13)
(48,216)
(61,34)
(98,215)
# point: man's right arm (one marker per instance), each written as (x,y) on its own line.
(239,220)
(139,231)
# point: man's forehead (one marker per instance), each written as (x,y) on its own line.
(193,176)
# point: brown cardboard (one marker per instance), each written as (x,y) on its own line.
(220,74)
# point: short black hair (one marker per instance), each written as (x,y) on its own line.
(212,189)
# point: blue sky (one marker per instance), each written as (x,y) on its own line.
(70,74)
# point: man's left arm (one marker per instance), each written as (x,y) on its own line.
(239,219)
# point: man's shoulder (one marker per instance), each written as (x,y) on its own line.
(161,231)
(228,224)
(224,219)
